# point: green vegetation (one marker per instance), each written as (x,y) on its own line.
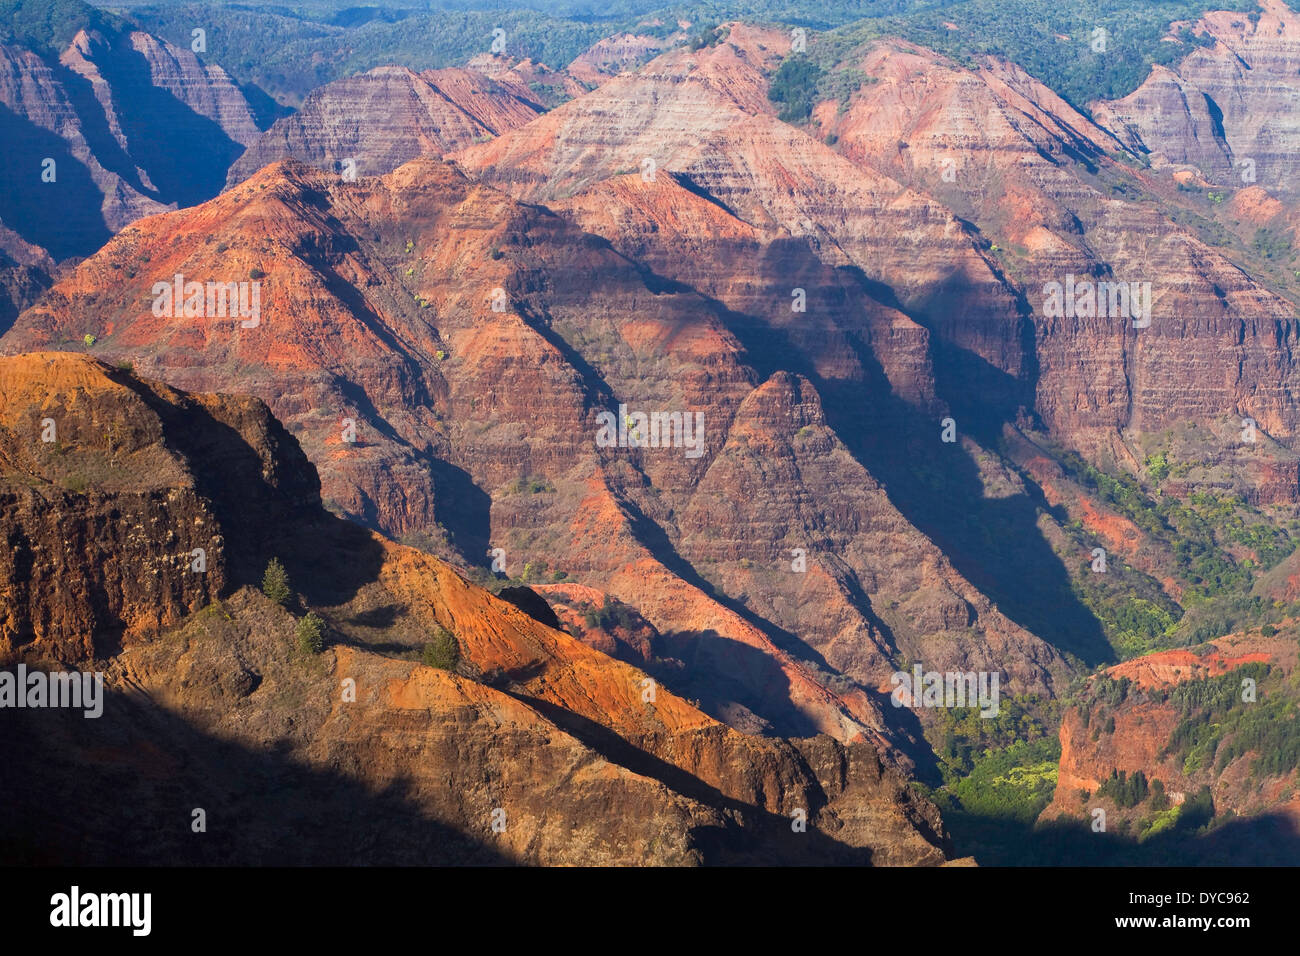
(962,737)
(529,486)
(1157,466)
(1216,545)
(1108,692)
(1271,245)
(794,86)
(48,26)
(1217,726)
(1013,783)
(1136,616)
(288,51)
(310,633)
(613,614)
(275,583)
(1126,791)
(1057,43)
(708,35)
(443,651)
(1193,814)
(1140,626)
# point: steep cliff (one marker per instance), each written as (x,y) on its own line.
(383,118)
(536,749)
(1228,108)
(121,126)
(437,410)
(1062,205)
(1199,736)
(111,532)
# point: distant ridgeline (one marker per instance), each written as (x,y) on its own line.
(290,54)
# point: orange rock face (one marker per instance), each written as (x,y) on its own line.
(372,123)
(1144,722)
(1008,154)
(112,536)
(448,333)
(418,403)
(1212,110)
(536,749)
(103,118)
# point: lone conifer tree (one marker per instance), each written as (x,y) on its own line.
(275,583)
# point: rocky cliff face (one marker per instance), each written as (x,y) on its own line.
(25,272)
(111,534)
(1227,109)
(121,126)
(828,299)
(614,55)
(439,403)
(1043,184)
(545,85)
(704,117)
(71,217)
(388,116)
(925,139)
(1145,728)
(444,395)
(537,750)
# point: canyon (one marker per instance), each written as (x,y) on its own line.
(909,439)
(214,709)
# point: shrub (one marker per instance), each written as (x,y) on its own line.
(1158,466)
(275,582)
(706,37)
(311,634)
(613,614)
(443,652)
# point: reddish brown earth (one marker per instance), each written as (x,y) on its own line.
(216,706)
(1215,110)
(549,86)
(1143,725)
(614,55)
(102,521)
(322,355)
(703,118)
(389,116)
(110,112)
(632,641)
(671,285)
(1042,183)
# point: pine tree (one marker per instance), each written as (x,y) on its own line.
(275,583)
(310,634)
